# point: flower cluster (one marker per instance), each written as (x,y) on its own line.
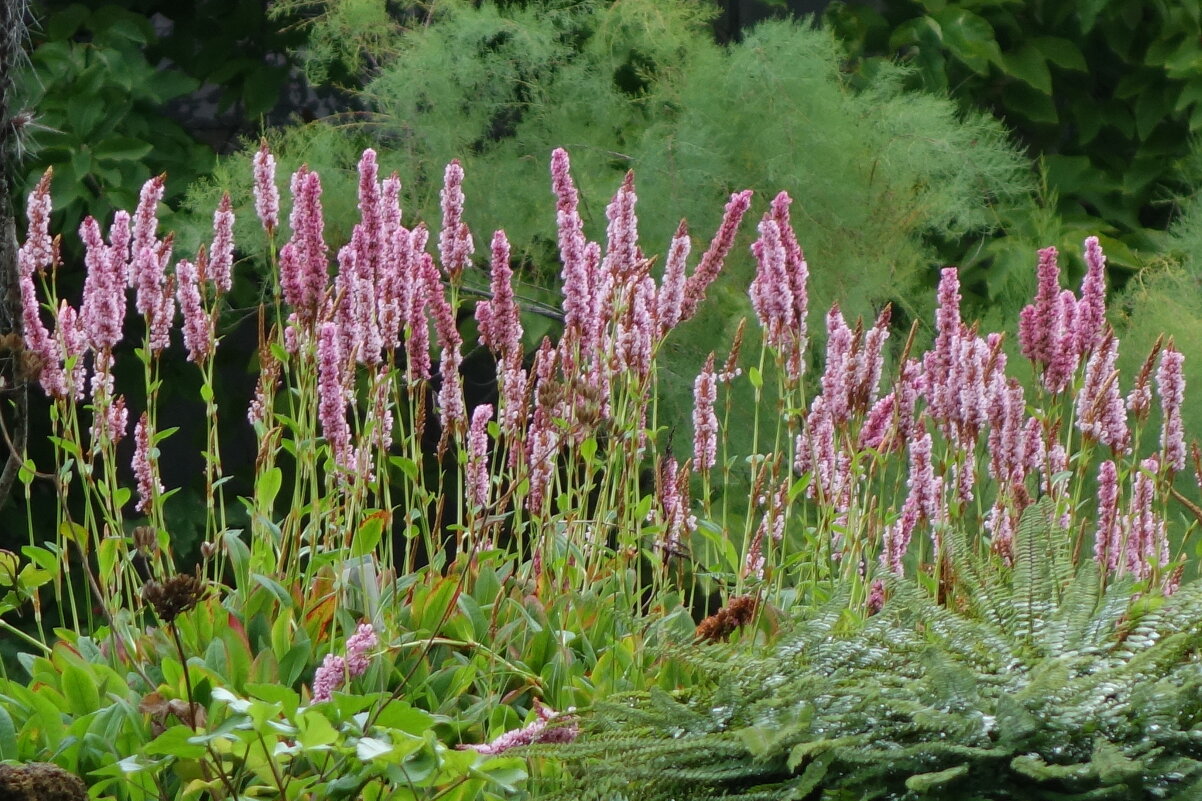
(335,670)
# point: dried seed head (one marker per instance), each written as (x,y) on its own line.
(173,597)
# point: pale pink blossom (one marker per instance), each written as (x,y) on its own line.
(622,234)
(331,409)
(499,321)
(705,421)
(221,253)
(1101,414)
(328,677)
(103,306)
(455,246)
(537,731)
(358,647)
(711,262)
(1038,321)
(838,375)
(267,194)
(477,473)
(1109,538)
(1146,539)
(578,278)
(671,292)
(145,465)
(38,251)
(1091,312)
(1170,385)
(304,260)
(74,344)
(198,325)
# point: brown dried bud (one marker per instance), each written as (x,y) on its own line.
(738,612)
(174,596)
(145,540)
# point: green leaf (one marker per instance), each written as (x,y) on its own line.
(175,742)
(314,730)
(969,38)
(267,486)
(368,535)
(926,782)
(122,148)
(274,587)
(401,716)
(1062,52)
(79,688)
(1031,67)
(8,736)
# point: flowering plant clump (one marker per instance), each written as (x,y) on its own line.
(532,546)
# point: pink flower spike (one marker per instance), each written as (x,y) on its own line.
(144,466)
(328,678)
(1109,537)
(622,235)
(1037,321)
(1091,313)
(455,241)
(537,731)
(267,194)
(38,251)
(146,222)
(711,261)
(331,410)
(1170,385)
(705,421)
(221,253)
(671,292)
(477,456)
(499,320)
(198,328)
(358,647)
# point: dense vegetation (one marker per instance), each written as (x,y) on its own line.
(528,461)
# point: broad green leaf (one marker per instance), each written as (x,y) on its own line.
(1029,65)
(1062,52)
(8,736)
(122,148)
(79,688)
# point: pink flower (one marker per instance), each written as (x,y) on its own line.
(711,262)
(578,279)
(499,321)
(838,375)
(674,505)
(898,534)
(477,456)
(537,731)
(513,395)
(1007,432)
(1101,414)
(198,325)
(1170,385)
(144,466)
(1091,316)
(1108,541)
(304,265)
(1146,540)
(221,254)
(938,363)
(1038,321)
(358,646)
(705,421)
(770,290)
(455,246)
(328,677)
(925,487)
(38,251)
(331,410)
(267,195)
(74,345)
(671,292)
(103,307)
(622,234)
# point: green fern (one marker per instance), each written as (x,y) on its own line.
(1054,687)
